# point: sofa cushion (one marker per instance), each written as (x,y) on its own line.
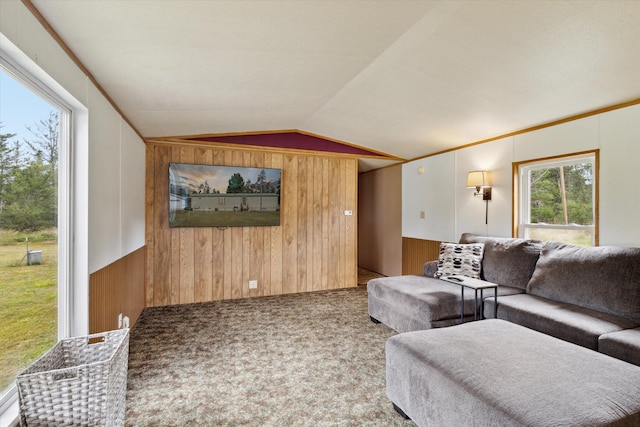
(506,261)
(602,278)
(568,322)
(462,259)
(624,345)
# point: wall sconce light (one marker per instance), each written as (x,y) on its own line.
(480,181)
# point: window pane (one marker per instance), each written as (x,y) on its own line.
(29,142)
(562,195)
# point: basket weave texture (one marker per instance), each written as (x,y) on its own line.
(80,381)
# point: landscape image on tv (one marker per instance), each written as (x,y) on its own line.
(223,196)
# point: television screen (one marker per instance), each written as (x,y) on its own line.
(223,196)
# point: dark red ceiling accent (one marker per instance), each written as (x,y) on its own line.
(291,140)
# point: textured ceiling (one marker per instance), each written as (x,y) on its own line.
(407,78)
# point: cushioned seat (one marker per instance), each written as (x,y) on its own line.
(569,322)
(624,345)
(495,372)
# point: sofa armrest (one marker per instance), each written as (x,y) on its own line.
(429,268)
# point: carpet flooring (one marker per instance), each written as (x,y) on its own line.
(312,359)
(365,275)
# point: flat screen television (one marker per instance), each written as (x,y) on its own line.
(223,196)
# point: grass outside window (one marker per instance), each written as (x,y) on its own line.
(28,313)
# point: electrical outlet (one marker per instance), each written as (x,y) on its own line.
(253,284)
(125,322)
(120,321)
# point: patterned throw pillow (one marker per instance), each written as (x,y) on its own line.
(463,259)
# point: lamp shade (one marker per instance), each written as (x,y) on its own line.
(477,179)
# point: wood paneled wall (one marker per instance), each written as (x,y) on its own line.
(415,252)
(314,248)
(117,288)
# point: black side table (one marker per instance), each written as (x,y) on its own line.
(476,285)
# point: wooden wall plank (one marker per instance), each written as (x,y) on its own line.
(334,222)
(203,246)
(309,222)
(218,236)
(301,226)
(149,212)
(326,229)
(290,227)
(277,161)
(117,288)
(415,252)
(351,233)
(340,212)
(187,247)
(313,248)
(317,211)
(162,253)
(228,245)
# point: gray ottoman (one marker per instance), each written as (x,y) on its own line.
(494,372)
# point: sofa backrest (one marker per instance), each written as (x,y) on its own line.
(506,261)
(602,278)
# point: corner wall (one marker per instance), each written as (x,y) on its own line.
(380,220)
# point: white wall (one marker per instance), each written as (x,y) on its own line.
(441,189)
(109,163)
(428,185)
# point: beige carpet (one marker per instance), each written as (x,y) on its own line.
(365,275)
(311,359)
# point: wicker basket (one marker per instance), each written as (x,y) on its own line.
(80,381)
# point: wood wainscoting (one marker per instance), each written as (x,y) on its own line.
(314,248)
(117,288)
(415,252)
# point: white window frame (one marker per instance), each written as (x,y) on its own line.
(522,199)
(8,399)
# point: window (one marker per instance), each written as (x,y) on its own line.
(34,215)
(558,199)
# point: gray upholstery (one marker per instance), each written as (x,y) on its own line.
(623,345)
(571,323)
(410,303)
(606,279)
(498,373)
(506,261)
(430,268)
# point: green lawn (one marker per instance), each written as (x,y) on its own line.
(28,313)
(225,218)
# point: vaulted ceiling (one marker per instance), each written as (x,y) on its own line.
(406,78)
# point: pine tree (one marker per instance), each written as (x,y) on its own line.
(9,161)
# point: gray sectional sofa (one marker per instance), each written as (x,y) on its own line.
(533,366)
(586,296)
